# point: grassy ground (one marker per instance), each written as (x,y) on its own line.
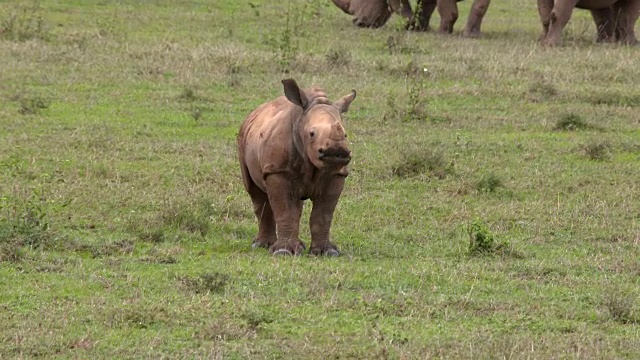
(492,211)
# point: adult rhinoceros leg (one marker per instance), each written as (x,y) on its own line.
(424,10)
(559,17)
(322,216)
(604,19)
(286,211)
(478,10)
(544,11)
(627,14)
(448,10)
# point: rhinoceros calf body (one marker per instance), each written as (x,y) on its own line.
(292,149)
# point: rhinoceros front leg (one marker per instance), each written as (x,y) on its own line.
(604,19)
(424,10)
(559,17)
(478,10)
(322,216)
(627,14)
(286,211)
(544,11)
(448,10)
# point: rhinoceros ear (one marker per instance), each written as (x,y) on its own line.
(294,93)
(343,104)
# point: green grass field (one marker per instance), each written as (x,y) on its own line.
(492,211)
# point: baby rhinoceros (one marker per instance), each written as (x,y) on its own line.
(292,149)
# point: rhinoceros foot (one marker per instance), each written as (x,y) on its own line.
(287,248)
(261,243)
(327,250)
(550,41)
(472,33)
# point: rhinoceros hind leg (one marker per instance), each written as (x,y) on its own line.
(262,209)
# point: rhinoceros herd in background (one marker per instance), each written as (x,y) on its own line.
(295,148)
(615,19)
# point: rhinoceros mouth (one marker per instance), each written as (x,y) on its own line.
(335,156)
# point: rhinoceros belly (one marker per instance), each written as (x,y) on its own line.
(595,4)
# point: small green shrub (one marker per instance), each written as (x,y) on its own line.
(139,316)
(32,105)
(24,222)
(541,90)
(10,252)
(188,94)
(391,112)
(196,114)
(489,183)
(338,57)
(483,242)
(400,44)
(598,150)
(206,283)
(615,99)
(233,73)
(287,42)
(422,160)
(191,221)
(25,23)
(257,317)
(571,122)
(621,307)
(153,235)
(162,255)
(417,102)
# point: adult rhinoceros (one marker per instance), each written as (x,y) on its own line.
(615,19)
(292,149)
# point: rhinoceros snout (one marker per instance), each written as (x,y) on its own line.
(335,155)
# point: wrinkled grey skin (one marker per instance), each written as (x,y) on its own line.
(615,19)
(375,13)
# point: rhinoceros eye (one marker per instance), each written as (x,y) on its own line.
(312,133)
